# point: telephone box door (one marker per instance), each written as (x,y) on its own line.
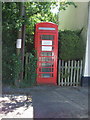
(47,48)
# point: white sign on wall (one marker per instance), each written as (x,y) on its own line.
(18,44)
(44,42)
(46,48)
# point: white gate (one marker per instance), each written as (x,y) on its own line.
(70,73)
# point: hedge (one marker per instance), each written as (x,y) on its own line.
(71,46)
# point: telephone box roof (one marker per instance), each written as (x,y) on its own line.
(46,26)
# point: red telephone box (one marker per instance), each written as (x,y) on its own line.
(46,44)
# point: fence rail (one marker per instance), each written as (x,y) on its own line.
(69,73)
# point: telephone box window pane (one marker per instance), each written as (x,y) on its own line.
(46,69)
(46,42)
(47,53)
(47,59)
(46,48)
(47,37)
(46,75)
(47,64)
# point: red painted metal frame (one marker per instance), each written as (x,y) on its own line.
(38,33)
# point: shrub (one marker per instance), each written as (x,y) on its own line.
(17,68)
(8,48)
(30,71)
(71,46)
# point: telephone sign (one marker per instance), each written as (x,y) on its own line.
(46,44)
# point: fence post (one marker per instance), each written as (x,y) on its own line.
(78,67)
(80,71)
(68,73)
(74,72)
(59,72)
(62,65)
(71,72)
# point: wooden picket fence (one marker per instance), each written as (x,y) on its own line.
(69,72)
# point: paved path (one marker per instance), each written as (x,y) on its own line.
(49,101)
(60,102)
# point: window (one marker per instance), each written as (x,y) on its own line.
(46,75)
(47,64)
(46,69)
(47,37)
(47,54)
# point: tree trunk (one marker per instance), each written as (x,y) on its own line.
(21,35)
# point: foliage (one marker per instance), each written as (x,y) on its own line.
(41,12)
(30,71)
(8,48)
(9,36)
(12,68)
(63,5)
(71,46)
(11,23)
(17,67)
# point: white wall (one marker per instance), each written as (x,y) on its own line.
(87,56)
(74,18)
